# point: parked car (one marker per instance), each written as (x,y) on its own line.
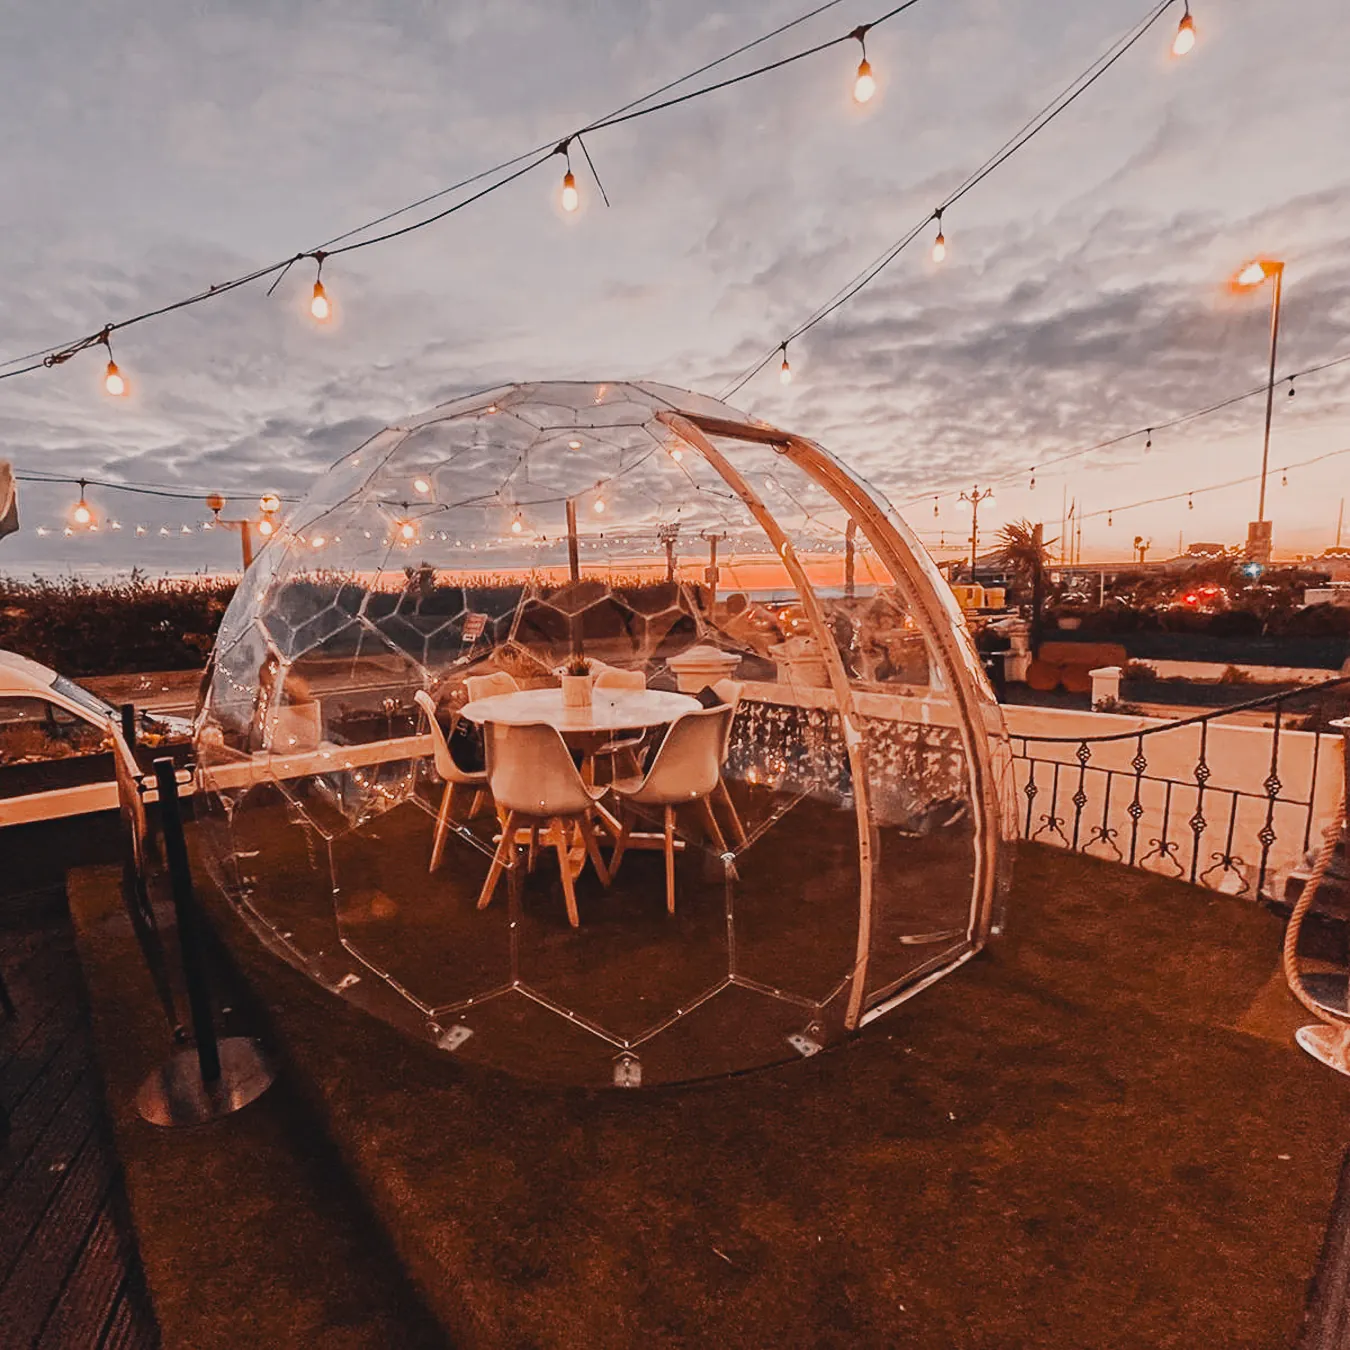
(56,746)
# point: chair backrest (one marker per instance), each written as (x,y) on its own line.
(485,686)
(440,748)
(729,691)
(530,770)
(298,726)
(611,677)
(690,758)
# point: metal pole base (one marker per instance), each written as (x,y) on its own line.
(174,1093)
(1330,1045)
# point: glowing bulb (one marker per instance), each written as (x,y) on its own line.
(785,371)
(574,445)
(270,502)
(676,454)
(1251,275)
(939,247)
(164,529)
(265,528)
(421,485)
(407,531)
(570,197)
(82,515)
(1185,38)
(599,506)
(113,381)
(140,529)
(185,529)
(865,85)
(114,524)
(318,541)
(517,525)
(319,305)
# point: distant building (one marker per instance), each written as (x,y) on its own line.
(1337,593)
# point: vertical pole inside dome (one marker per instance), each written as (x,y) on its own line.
(850,534)
(574,571)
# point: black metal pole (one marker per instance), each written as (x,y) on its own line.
(129,725)
(185,912)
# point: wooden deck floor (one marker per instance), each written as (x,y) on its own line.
(69,1272)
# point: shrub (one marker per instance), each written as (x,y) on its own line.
(118,627)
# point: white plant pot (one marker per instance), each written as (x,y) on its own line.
(576,691)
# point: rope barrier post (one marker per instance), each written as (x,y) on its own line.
(212,1077)
(129,725)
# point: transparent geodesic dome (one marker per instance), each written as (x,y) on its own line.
(855,847)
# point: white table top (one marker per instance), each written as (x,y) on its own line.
(610,710)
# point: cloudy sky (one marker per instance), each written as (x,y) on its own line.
(156,146)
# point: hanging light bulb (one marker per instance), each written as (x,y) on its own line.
(1190,504)
(421,485)
(517,525)
(574,445)
(320,307)
(1284,480)
(1148,444)
(864,85)
(318,541)
(265,527)
(1109,520)
(82,514)
(407,531)
(940,243)
(140,529)
(676,453)
(785,370)
(1185,38)
(1292,390)
(270,503)
(114,524)
(935,506)
(1032,484)
(571,199)
(599,507)
(114,382)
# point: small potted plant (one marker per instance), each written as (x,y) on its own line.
(576,683)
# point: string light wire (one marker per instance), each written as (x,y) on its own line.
(527,162)
(1031,128)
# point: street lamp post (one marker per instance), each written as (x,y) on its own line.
(1251,276)
(974,497)
(269,504)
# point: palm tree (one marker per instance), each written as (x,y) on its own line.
(1024,551)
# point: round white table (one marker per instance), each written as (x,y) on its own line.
(610,710)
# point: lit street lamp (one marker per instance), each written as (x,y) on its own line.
(973,498)
(1251,276)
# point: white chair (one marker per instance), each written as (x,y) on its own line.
(485,686)
(729,691)
(296,728)
(451,775)
(611,677)
(534,782)
(687,768)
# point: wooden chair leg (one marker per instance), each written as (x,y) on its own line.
(621,843)
(442,827)
(506,849)
(479,801)
(559,832)
(587,827)
(737,829)
(710,820)
(534,846)
(670,859)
